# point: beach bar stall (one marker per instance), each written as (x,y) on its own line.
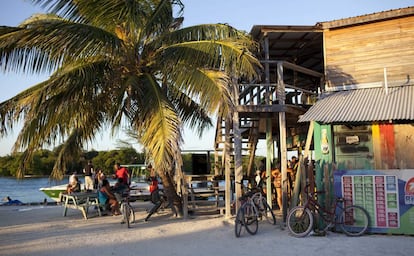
(372,166)
(364,119)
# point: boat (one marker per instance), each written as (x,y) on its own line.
(54,192)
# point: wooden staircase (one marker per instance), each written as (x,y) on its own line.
(250,137)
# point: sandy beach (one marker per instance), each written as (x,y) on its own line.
(42,230)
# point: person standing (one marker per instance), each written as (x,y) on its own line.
(258,179)
(99,177)
(294,170)
(123,173)
(88,171)
(277,182)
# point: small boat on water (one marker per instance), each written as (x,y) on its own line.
(54,191)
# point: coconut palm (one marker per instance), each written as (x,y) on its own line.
(116,64)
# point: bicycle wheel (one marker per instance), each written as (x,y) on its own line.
(300,221)
(128,215)
(238,222)
(267,211)
(125,214)
(250,220)
(131,214)
(354,220)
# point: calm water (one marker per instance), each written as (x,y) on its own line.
(26,190)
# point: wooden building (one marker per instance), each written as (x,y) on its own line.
(366,114)
(348,83)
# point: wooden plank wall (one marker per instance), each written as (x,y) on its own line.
(358,54)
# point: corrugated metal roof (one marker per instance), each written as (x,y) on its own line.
(364,105)
(367,18)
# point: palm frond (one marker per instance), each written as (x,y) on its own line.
(61,103)
(228,56)
(46,41)
(69,151)
(208,87)
(63,8)
(155,120)
(117,62)
(190,112)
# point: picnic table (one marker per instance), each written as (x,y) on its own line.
(81,201)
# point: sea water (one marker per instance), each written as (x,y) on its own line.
(26,190)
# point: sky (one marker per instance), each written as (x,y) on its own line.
(241,14)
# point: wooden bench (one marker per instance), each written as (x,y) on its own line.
(81,201)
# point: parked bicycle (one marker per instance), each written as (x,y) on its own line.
(253,208)
(128,214)
(353,220)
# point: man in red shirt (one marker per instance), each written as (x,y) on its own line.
(122,172)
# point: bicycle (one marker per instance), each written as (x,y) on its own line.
(128,214)
(264,209)
(254,207)
(353,220)
(247,216)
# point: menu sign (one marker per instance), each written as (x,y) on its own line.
(378,194)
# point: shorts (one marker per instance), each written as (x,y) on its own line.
(88,183)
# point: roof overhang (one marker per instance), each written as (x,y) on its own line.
(368,18)
(394,104)
(300,45)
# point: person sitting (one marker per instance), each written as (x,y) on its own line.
(119,189)
(9,201)
(75,186)
(107,198)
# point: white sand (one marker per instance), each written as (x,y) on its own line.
(42,230)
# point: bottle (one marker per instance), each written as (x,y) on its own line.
(324,142)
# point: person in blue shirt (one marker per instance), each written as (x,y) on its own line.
(9,201)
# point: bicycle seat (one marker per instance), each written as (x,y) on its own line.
(246,195)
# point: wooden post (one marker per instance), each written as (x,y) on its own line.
(283,147)
(269,160)
(228,192)
(269,139)
(237,140)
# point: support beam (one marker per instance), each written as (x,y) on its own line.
(228,194)
(237,140)
(269,139)
(269,160)
(283,147)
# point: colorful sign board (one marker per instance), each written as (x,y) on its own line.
(387,195)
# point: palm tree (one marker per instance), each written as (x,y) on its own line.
(114,64)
